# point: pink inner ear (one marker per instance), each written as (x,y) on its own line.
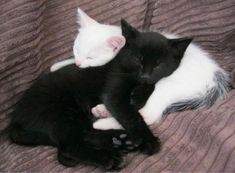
(116,42)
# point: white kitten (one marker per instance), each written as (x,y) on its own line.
(197,82)
(95,45)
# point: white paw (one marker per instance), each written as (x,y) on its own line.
(151,120)
(106,124)
(54,67)
(61,64)
(100,111)
(150,117)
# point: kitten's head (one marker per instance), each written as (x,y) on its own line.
(96,44)
(150,54)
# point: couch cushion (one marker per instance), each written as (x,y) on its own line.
(34,34)
(210,22)
(199,141)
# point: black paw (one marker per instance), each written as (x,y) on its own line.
(150,146)
(112,160)
(66,159)
(123,143)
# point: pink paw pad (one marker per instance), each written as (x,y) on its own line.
(100,111)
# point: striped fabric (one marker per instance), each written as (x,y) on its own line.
(36,33)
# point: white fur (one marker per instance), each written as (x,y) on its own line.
(92,42)
(107,123)
(92,46)
(61,64)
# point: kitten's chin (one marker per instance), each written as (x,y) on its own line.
(83,66)
(78,64)
(93,63)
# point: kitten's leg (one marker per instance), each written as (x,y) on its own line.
(139,96)
(73,148)
(100,111)
(161,97)
(117,101)
(165,94)
(109,139)
(61,64)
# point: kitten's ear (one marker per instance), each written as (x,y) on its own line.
(128,31)
(116,43)
(181,45)
(84,20)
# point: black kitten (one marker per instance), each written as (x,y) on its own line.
(146,58)
(55,110)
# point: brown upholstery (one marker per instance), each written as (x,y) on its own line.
(36,33)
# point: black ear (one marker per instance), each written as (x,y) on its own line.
(180,44)
(128,31)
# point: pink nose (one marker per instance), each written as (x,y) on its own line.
(78,63)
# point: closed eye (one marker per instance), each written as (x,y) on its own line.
(89,58)
(158,66)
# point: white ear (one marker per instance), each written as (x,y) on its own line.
(84,20)
(116,42)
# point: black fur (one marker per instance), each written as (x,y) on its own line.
(56,109)
(147,57)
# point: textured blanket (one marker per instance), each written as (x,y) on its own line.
(34,34)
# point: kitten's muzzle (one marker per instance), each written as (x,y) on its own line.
(78,63)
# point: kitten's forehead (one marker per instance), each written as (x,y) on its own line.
(152,42)
(153,37)
(88,40)
(100,32)
(96,36)
(93,39)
